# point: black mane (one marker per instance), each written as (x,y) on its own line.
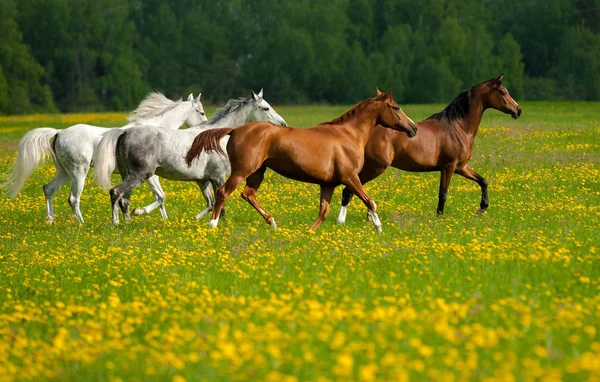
(457,109)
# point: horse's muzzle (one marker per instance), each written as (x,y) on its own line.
(516,114)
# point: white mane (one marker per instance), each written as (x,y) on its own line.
(154,105)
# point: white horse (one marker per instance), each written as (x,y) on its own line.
(141,152)
(73,148)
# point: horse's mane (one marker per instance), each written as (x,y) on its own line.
(231,106)
(154,105)
(457,109)
(355,109)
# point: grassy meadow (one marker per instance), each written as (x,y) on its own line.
(511,295)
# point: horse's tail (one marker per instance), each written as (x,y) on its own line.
(105,158)
(34,148)
(207,141)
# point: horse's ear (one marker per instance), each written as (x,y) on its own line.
(378,92)
(191,97)
(253,95)
(260,93)
(198,99)
(499,79)
(389,93)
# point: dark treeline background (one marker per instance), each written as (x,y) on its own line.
(74,55)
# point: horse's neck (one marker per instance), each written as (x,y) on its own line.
(172,119)
(362,124)
(470,123)
(235,119)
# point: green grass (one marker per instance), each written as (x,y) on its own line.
(512,293)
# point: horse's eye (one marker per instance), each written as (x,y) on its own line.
(395,107)
(265,108)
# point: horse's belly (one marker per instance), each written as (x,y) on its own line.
(297,172)
(410,163)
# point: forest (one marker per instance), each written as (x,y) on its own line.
(97,55)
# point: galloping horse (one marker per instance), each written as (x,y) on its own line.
(328,154)
(444,143)
(73,148)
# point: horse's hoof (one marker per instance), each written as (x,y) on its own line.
(273,224)
(127,217)
(341,221)
(49,219)
(137,211)
(213,223)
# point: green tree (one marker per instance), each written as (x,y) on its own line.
(22,88)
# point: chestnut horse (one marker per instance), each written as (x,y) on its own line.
(328,154)
(444,143)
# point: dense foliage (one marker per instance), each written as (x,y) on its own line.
(106,54)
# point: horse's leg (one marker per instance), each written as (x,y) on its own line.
(208,196)
(445,178)
(469,173)
(159,199)
(366,175)
(120,194)
(355,186)
(216,184)
(326,194)
(77,183)
(249,194)
(59,180)
(235,179)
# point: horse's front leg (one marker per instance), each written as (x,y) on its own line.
(469,173)
(445,178)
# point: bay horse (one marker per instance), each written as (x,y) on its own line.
(444,143)
(328,154)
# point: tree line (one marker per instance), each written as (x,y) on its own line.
(93,55)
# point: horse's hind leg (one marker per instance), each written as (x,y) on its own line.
(355,186)
(120,194)
(159,199)
(235,179)
(469,173)
(78,181)
(326,194)
(208,197)
(249,194)
(59,180)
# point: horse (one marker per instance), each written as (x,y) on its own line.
(328,154)
(72,149)
(445,142)
(141,152)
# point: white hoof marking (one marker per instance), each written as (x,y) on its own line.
(342,216)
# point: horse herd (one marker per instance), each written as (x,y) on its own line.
(246,136)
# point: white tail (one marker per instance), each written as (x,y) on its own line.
(105,160)
(34,148)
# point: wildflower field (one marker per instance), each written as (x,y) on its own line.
(511,295)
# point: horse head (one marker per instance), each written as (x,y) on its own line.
(496,96)
(392,116)
(262,111)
